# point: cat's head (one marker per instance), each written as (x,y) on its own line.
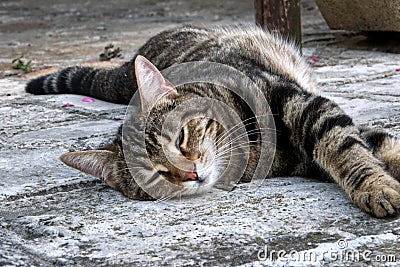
(182,146)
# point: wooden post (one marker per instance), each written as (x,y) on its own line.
(280,15)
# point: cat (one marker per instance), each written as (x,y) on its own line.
(314,137)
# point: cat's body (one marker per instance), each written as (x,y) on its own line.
(313,135)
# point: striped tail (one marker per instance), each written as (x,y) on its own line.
(113,85)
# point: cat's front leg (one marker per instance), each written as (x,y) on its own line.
(329,138)
(350,162)
(385,147)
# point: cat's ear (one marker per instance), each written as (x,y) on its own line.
(151,84)
(98,163)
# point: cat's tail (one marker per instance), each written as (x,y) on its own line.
(115,85)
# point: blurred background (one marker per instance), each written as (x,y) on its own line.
(68,32)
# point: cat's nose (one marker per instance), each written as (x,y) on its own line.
(191,176)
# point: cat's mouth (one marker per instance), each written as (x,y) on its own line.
(191,176)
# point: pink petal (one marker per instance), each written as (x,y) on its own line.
(398,69)
(67,105)
(118,119)
(87,99)
(314,59)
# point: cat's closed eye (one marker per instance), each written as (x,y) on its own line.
(165,173)
(179,140)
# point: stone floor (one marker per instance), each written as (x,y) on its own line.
(53,215)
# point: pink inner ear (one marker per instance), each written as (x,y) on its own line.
(97,163)
(151,84)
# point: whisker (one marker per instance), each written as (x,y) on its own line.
(163,199)
(230,149)
(241,125)
(252,132)
(227,157)
(171,196)
(235,128)
(239,137)
(226,163)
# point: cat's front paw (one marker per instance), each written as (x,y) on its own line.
(380,198)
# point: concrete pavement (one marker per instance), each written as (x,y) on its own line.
(53,215)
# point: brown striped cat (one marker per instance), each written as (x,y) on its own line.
(314,137)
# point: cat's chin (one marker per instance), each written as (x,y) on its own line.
(198,188)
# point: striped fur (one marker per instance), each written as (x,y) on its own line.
(314,136)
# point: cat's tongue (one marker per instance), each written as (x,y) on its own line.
(191,176)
